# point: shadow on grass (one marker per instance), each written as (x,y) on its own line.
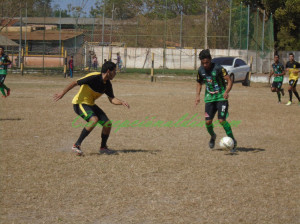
(254,150)
(242,149)
(138,150)
(11,119)
(27,97)
(129,151)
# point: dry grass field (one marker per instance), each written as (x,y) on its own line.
(161,174)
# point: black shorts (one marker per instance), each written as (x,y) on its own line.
(277,85)
(293,82)
(2,78)
(86,111)
(212,107)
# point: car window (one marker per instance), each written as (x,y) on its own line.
(239,62)
(223,61)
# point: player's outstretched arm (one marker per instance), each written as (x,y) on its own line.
(229,86)
(60,95)
(198,91)
(116,101)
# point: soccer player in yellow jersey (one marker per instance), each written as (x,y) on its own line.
(92,86)
(293,68)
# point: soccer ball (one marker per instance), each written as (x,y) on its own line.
(226,143)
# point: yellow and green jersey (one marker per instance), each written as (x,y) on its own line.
(92,86)
(214,81)
(293,70)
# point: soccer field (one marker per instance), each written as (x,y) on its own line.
(161,174)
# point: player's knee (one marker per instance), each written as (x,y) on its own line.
(209,122)
(221,121)
(107,124)
(273,90)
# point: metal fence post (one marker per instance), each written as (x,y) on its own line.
(229,28)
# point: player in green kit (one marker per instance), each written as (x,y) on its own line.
(216,95)
(4,62)
(278,72)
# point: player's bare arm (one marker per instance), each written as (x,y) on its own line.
(60,95)
(229,86)
(117,101)
(198,91)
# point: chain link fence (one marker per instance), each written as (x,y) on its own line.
(229,27)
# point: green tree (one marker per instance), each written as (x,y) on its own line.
(288,18)
(123,9)
(56,11)
(286,15)
(173,8)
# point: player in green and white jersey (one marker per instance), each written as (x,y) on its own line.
(216,95)
(278,72)
(4,62)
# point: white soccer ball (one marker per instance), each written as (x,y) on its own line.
(227,143)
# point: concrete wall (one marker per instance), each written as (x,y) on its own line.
(184,58)
(37,61)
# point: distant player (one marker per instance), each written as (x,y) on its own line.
(292,67)
(4,62)
(71,66)
(92,86)
(278,72)
(216,95)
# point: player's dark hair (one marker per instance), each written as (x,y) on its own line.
(291,54)
(108,66)
(204,54)
(276,55)
(2,48)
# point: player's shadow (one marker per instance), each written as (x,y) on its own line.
(254,150)
(118,152)
(138,150)
(242,149)
(11,119)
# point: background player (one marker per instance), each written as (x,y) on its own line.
(92,86)
(216,95)
(4,62)
(278,72)
(292,67)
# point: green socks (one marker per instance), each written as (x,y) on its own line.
(2,91)
(210,129)
(279,96)
(227,129)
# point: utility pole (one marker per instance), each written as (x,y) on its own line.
(229,38)
(103,21)
(112,19)
(181,29)
(20,40)
(205,29)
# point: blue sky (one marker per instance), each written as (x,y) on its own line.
(63,4)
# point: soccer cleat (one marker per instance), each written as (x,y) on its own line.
(3,96)
(233,150)
(8,92)
(289,103)
(212,141)
(279,102)
(76,148)
(107,151)
(282,92)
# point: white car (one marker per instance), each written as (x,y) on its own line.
(237,69)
